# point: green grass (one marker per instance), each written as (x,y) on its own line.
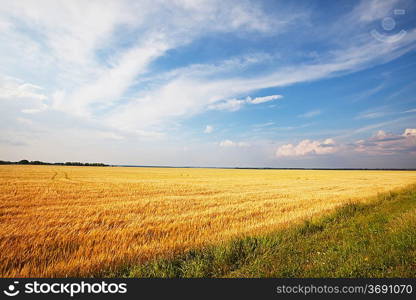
(377,239)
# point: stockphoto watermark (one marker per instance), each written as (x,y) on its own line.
(364,289)
(390,32)
(71,289)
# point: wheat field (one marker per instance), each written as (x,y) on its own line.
(59,221)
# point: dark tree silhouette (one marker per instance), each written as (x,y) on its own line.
(37,162)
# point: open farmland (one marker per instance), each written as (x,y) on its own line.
(84,221)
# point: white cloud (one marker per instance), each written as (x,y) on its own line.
(111,84)
(229,143)
(410,132)
(69,37)
(259,100)
(236,104)
(87,84)
(308,147)
(384,143)
(194,94)
(208,129)
(380,143)
(11,88)
(26,95)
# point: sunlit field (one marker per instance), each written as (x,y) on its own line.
(86,221)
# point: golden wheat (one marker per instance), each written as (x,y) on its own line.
(80,221)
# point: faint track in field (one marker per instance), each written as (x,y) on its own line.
(64,175)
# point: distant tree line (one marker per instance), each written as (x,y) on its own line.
(37,162)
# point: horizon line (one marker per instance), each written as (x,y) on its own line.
(92,164)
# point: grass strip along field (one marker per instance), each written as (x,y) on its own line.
(377,239)
(96,221)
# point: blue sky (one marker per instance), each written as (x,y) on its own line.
(210,83)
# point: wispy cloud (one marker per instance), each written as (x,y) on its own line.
(262,125)
(210,93)
(103,85)
(380,112)
(236,104)
(376,112)
(259,100)
(230,105)
(369,92)
(371,10)
(65,29)
(371,115)
(311,114)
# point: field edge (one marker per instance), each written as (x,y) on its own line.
(374,238)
